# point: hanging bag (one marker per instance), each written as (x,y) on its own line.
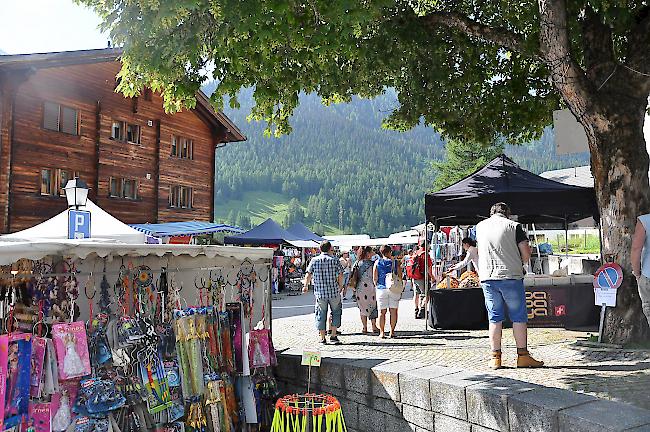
(394,281)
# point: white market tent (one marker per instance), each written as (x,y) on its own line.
(409,233)
(12,251)
(109,238)
(103,226)
(348,243)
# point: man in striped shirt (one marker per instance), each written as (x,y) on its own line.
(326,273)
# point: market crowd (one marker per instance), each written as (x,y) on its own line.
(377,279)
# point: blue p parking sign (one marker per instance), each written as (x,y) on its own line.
(78,224)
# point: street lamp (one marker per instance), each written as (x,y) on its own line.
(76,192)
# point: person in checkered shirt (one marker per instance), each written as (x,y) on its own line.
(326,273)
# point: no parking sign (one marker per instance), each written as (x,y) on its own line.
(607,279)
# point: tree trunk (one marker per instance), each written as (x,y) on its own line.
(619,162)
(610,102)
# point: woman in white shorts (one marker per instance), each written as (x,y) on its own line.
(386,300)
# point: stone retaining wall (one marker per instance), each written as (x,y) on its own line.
(402,396)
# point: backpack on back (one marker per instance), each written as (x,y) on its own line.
(419,265)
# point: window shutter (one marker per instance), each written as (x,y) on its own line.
(69,123)
(51,116)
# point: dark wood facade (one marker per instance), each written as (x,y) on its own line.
(82,84)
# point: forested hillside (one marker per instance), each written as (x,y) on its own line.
(339,170)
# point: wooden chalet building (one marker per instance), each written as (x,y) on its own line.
(60,117)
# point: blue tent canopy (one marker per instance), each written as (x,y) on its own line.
(269,232)
(173,229)
(300,230)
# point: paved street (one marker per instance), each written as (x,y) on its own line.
(614,374)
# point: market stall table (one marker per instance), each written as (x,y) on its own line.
(552,302)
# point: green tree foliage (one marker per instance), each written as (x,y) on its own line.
(462,158)
(338,48)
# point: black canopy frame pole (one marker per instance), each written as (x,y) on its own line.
(566,240)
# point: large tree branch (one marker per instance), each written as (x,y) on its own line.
(555,46)
(496,35)
(638,50)
(598,48)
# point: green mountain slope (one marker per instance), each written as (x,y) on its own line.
(339,171)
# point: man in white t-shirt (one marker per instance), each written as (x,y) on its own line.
(502,249)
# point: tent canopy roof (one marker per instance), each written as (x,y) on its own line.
(301,231)
(102,226)
(269,232)
(171,229)
(13,250)
(531,197)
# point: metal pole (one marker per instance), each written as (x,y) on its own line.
(566,238)
(426,274)
(600,241)
(602,323)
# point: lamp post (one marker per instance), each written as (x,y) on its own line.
(76,193)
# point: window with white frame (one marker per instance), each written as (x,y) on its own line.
(182,147)
(125,132)
(180,197)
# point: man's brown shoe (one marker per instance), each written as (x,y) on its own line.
(525,360)
(495,361)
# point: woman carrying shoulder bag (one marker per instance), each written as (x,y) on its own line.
(387,275)
(363,286)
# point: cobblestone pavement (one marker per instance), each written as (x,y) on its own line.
(622,375)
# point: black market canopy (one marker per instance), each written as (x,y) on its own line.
(531,197)
(300,230)
(267,233)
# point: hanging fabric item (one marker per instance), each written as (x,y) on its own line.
(456,237)
(51,369)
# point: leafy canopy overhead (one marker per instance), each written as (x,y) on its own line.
(470,69)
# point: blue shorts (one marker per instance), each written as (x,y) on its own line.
(505,294)
(321,312)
